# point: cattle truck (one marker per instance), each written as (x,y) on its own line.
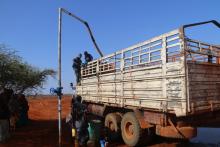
(165,86)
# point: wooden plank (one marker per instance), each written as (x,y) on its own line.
(204,86)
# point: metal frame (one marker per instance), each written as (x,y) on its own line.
(163,43)
(173,50)
(144,48)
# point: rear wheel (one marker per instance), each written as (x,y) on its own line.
(132,133)
(112,123)
(131,130)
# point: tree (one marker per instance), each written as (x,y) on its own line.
(18,75)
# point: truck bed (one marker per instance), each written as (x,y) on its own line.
(164,74)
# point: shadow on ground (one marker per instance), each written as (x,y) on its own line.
(39,133)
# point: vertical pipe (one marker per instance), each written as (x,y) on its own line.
(59,74)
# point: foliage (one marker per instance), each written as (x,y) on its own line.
(18,75)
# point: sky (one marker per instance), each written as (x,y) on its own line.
(31,27)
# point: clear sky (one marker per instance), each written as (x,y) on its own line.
(30,27)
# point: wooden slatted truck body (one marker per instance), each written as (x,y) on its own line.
(168,83)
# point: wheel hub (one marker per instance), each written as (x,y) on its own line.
(111,126)
(129,130)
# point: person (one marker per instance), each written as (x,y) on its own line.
(14,109)
(88,57)
(77,63)
(80,121)
(104,140)
(23,113)
(5,96)
(4,110)
(210,56)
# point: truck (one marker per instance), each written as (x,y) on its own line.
(167,85)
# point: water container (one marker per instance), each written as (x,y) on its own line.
(94,130)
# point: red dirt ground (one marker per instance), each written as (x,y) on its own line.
(42,130)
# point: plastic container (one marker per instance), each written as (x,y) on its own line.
(94,130)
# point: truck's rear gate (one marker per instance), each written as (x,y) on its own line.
(203,76)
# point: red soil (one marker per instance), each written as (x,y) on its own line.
(42,130)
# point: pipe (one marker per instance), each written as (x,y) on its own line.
(88,28)
(216,23)
(59,74)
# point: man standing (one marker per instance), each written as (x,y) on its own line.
(77,63)
(23,103)
(4,110)
(88,57)
(80,121)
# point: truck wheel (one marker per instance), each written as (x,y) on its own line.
(112,123)
(131,130)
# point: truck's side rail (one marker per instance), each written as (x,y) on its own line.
(148,53)
(173,48)
(198,51)
(149,75)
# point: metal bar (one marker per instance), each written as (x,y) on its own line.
(203,43)
(171,39)
(88,28)
(59,74)
(200,23)
(172,45)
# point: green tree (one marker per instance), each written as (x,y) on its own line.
(18,75)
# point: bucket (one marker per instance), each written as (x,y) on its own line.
(94,130)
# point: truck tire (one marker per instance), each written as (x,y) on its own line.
(131,130)
(112,123)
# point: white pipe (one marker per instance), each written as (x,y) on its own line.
(59,75)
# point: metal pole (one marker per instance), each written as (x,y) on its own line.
(59,89)
(59,75)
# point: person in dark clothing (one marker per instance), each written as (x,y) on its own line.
(210,57)
(23,112)
(5,97)
(13,105)
(4,110)
(88,57)
(80,121)
(14,109)
(77,63)
(79,109)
